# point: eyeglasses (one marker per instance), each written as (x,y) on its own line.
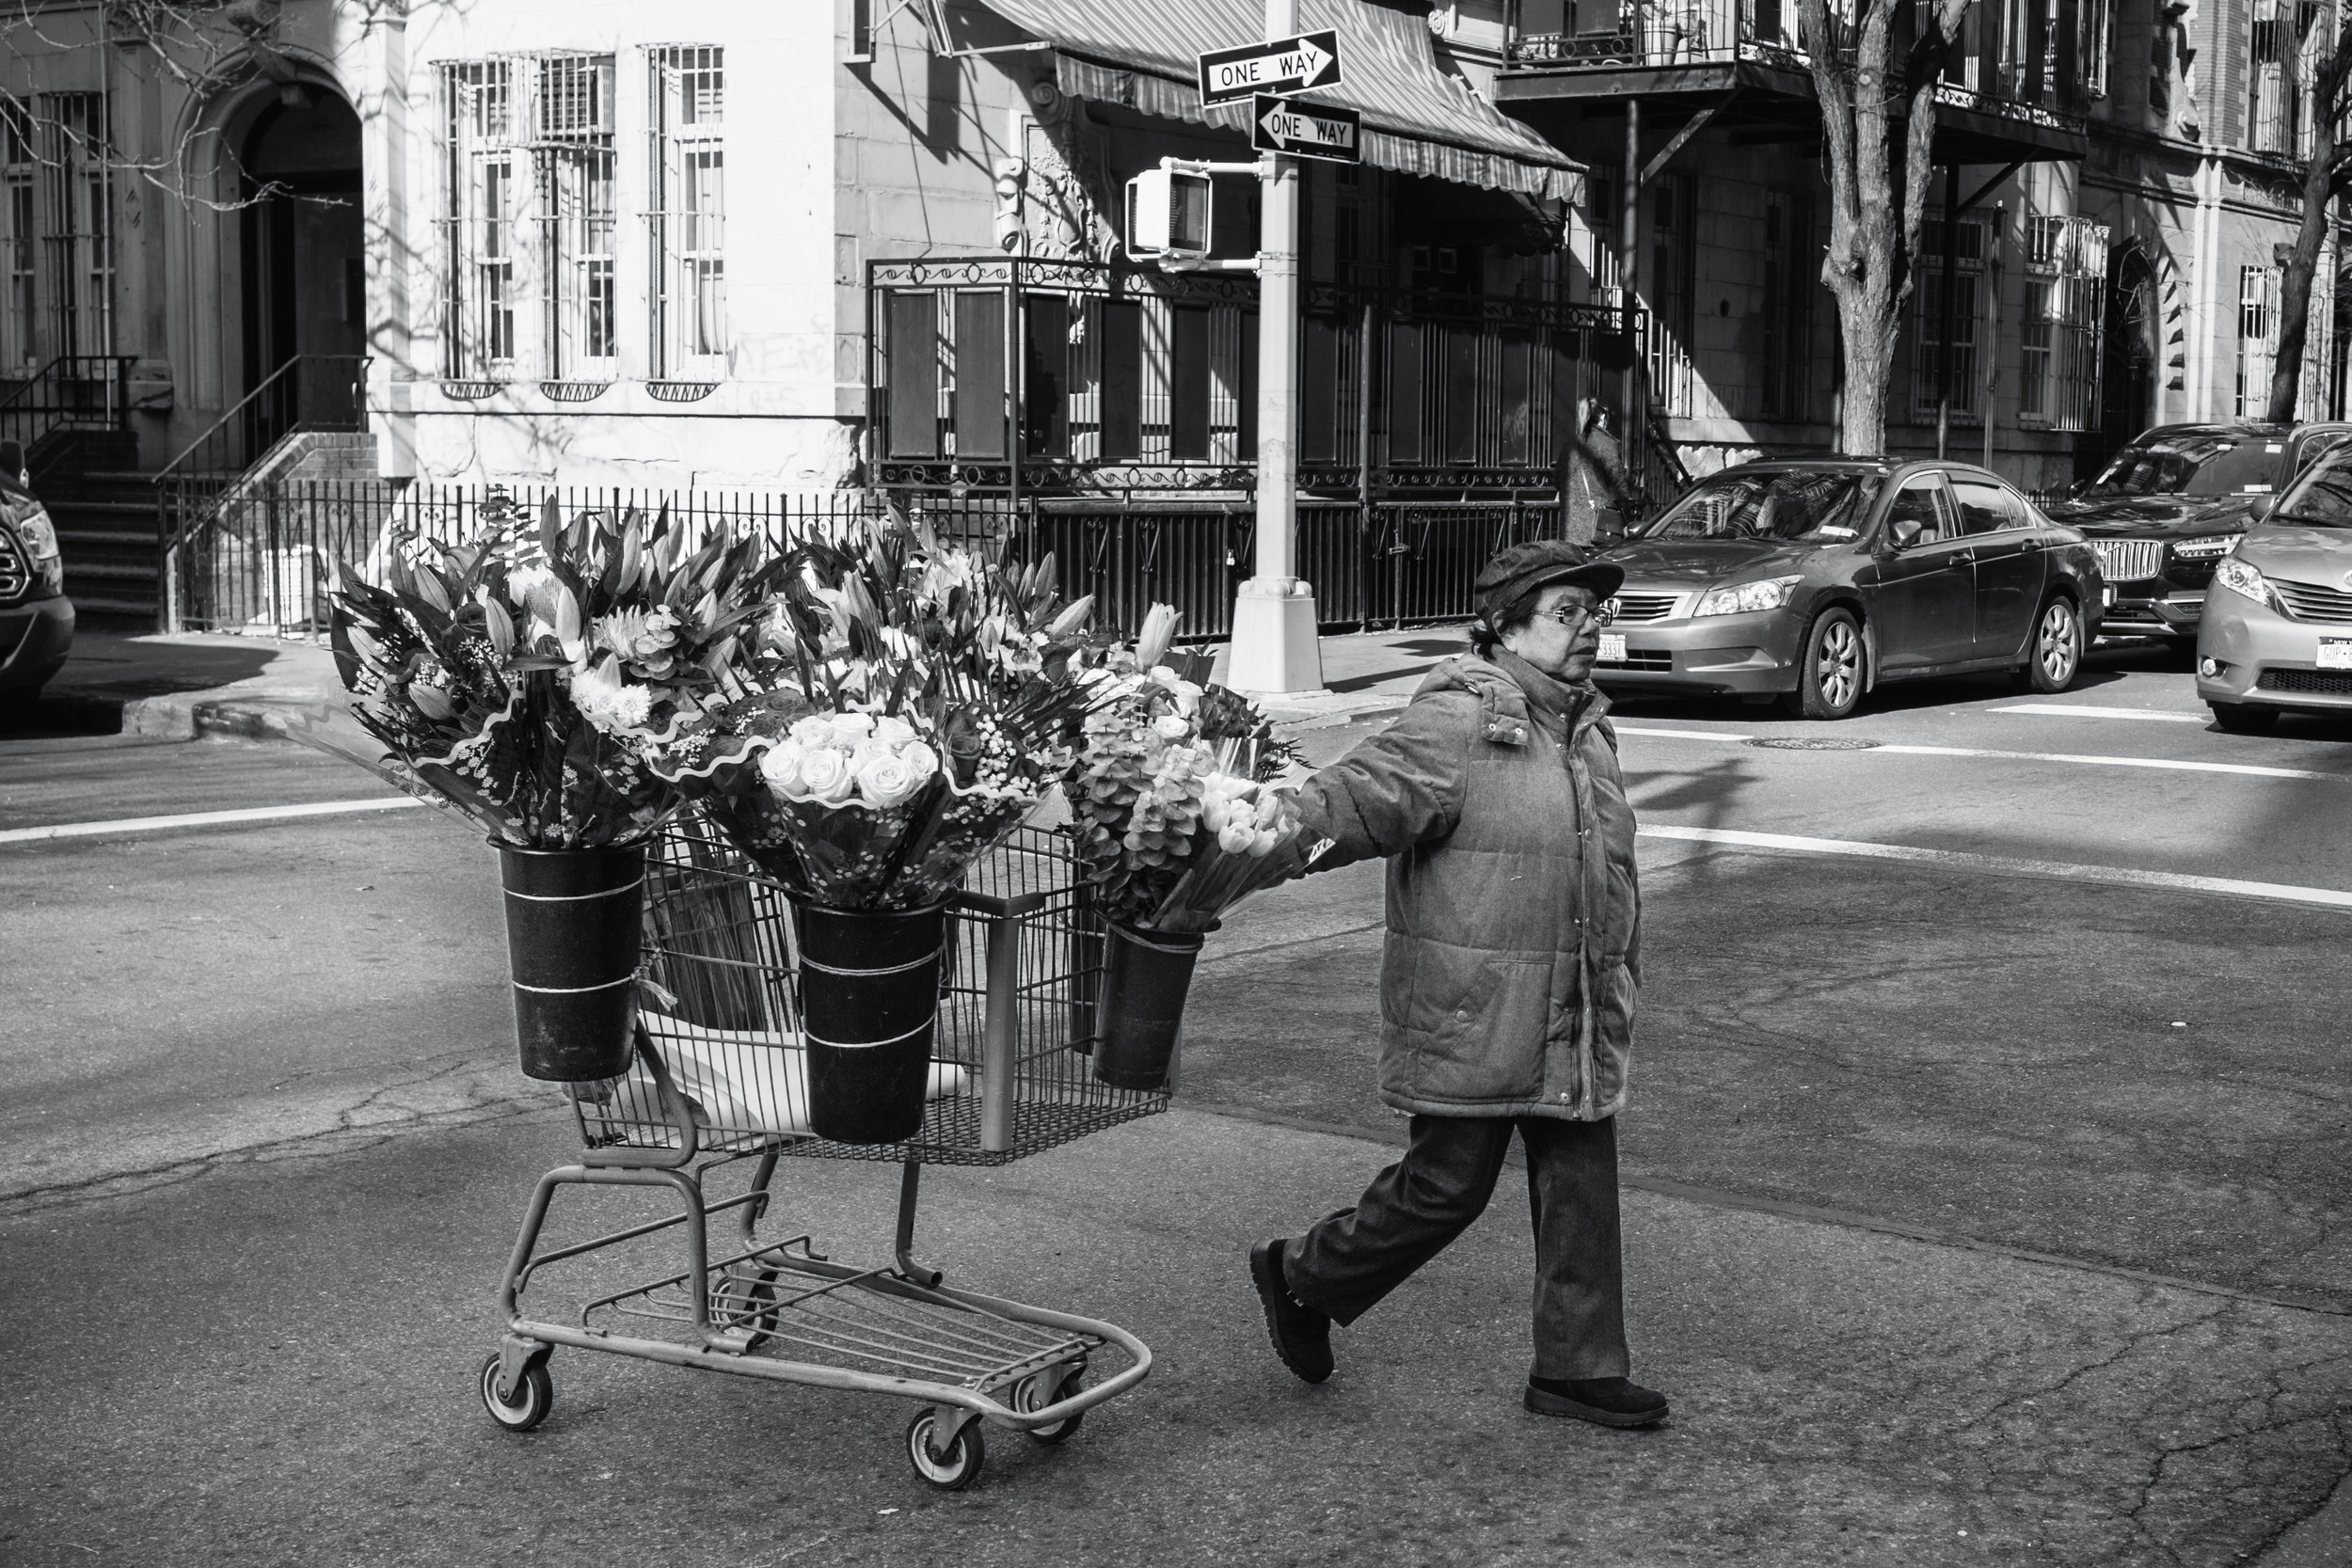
(1572,614)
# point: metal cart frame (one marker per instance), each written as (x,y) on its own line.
(1015,1019)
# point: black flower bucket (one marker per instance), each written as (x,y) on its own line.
(574,935)
(1145,975)
(869,1006)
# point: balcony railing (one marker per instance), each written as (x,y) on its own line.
(1620,35)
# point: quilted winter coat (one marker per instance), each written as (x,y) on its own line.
(1513,918)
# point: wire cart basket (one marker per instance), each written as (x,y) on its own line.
(720,1085)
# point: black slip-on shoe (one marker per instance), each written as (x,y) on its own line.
(1301,1334)
(1609,1401)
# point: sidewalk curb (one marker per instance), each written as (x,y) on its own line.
(188,715)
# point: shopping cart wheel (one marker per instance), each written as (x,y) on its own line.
(1039,1390)
(532,1400)
(759,1310)
(956,1468)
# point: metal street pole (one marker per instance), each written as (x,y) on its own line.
(1274,646)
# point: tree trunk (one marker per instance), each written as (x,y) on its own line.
(2294,281)
(1877,198)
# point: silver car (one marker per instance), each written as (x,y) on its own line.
(2277,632)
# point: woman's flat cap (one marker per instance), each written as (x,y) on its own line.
(1539,563)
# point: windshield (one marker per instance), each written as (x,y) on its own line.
(2194,466)
(1815,508)
(2321,498)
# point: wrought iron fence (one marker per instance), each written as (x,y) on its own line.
(309,392)
(260,563)
(74,391)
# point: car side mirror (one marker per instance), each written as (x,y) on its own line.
(2258,507)
(1904,533)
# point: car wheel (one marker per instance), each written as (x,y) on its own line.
(1829,677)
(2243,717)
(2055,657)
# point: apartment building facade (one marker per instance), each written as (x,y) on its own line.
(832,242)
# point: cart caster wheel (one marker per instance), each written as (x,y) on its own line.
(1039,1390)
(759,1310)
(533,1400)
(953,1470)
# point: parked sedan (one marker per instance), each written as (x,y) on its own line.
(36,617)
(2276,634)
(2174,502)
(1814,580)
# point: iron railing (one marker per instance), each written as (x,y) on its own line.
(260,565)
(309,392)
(73,391)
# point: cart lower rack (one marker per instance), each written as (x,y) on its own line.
(716,1087)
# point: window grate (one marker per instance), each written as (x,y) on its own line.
(687,222)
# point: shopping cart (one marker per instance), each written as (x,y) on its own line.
(719,1085)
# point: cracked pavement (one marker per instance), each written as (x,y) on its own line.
(260,1086)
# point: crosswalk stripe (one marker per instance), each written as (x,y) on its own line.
(201,820)
(2088,759)
(2085,710)
(2003,864)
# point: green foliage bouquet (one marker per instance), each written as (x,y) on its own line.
(906,705)
(1178,814)
(524,678)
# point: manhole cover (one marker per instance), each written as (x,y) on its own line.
(1806,743)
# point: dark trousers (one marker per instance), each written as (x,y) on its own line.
(1411,1211)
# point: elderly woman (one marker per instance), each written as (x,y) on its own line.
(1506,988)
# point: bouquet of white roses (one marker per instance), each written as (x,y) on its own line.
(907,707)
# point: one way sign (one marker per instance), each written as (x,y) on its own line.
(1279,65)
(1304,131)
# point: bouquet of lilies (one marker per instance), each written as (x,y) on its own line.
(904,706)
(1177,810)
(523,677)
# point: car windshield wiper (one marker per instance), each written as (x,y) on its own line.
(2309,520)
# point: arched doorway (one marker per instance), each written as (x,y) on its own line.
(304,258)
(2128,374)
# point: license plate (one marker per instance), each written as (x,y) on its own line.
(1613,648)
(2335,653)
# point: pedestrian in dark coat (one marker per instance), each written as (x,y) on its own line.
(1507,982)
(1595,481)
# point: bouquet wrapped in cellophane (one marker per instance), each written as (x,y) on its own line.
(522,677)
(906,706)
(1177,810)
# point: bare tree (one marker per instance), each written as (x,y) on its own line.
(2326,173)
(1878,121)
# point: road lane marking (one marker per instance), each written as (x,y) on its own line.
(2004,865)
(2084,711)
(201,820)
(2087,759)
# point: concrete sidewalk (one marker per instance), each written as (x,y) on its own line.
(206,683)
(182,685)
(272,1361)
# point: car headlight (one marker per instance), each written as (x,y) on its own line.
(1740,598)
(2239,578)
(38,538)
(2206,549)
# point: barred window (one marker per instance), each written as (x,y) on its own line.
(77,226)
(20,228)
(572,157)
(1968,267)
(2257,326)
(2066,274)
(2289,39)
(478,211)
(687,219)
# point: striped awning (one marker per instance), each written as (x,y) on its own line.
(1418,117)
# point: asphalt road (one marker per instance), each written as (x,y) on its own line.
(1969,975)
